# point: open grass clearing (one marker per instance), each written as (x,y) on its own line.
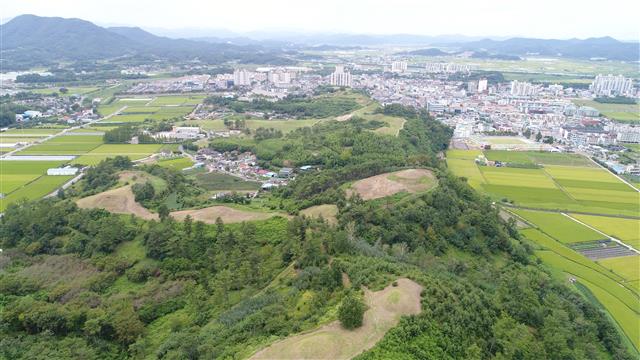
(410,180)
(118,201)
(621,112)
(226,213)
(332,341)
(326,211)
(177,163)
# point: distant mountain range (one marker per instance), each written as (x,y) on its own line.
(29,40)
(604,47)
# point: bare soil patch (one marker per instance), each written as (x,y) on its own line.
(327,211)
(332,341)
(227,214)
(410,180)
(118,201)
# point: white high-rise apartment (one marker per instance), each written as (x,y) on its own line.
(483,85)
(241,77)
(610,85)
(399,66)
(522,88)
(340,77)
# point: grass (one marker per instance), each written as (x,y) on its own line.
(627,113)
(327,212)
(217,181)
(72,90)
(177,163)
(560,227)
(134,152)
(332,341)
(627,230)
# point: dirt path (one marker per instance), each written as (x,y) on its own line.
(332,341)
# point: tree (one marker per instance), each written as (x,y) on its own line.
(143,192)
(163,211)
(351,311)
(538,136)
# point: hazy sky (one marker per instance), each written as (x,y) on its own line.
(539,18)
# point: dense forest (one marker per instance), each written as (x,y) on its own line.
(89,284)
(299,107)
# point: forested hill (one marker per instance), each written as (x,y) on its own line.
(88,284)
(30,40)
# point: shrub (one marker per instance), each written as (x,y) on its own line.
(351,311)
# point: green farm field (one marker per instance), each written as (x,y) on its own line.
(134,152)
(560,227)
(65,145)
(40,187)
(625,317)
(176,164)
(71,90)
(15,174)
(581,187)
(627,230)
(30,132)
(621,112)
(626,266)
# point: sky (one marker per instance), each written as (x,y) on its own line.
(561,19)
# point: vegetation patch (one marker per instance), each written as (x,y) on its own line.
(209,215)
(410,180)
(333,341)
(117,201)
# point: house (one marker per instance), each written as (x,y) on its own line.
(285,172)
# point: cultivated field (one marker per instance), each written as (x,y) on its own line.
(65,145)
(566,182)
(227,214)
(134,152)
(332,341)
(626,230)
(621,112)
(560,227)
(411,180)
